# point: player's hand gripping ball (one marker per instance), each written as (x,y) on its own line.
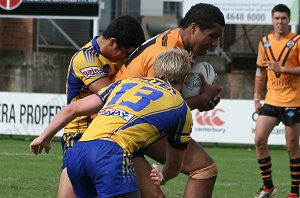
(192,83)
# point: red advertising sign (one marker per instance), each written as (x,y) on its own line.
(59,9)
(10,4)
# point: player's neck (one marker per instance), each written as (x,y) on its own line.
(279,35)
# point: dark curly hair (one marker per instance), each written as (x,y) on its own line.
(125,27)
(204,15)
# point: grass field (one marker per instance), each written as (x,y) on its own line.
(25,175)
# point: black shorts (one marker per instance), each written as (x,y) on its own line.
(287,115)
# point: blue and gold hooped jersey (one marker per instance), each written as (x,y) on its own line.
(87,66)
(139,111)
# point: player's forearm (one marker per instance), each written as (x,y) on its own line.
(169,173)
(86,106)
(278,68)
(290,70)
(60,120)
(198,102)
(259,83)
(173,165)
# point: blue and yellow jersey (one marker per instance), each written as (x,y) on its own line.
(86,66)
(282,89)
(139,111)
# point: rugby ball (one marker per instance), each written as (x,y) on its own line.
(192,83)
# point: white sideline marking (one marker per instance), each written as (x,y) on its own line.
(22,154)
(9,179)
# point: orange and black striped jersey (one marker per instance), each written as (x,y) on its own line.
(283,90)
(139,111)
(86,66)
(140,62)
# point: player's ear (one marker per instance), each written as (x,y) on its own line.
(112,41)
(193,27)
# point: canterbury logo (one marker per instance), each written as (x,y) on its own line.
(210,118)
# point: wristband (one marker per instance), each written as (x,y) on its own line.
(256,97)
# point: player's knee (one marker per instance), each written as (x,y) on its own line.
(205,173)
(261,144)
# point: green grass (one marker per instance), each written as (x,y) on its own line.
(25,175)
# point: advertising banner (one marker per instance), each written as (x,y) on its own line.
(231,121)
(28,113)
(254,12)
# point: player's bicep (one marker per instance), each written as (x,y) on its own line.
(99,84)
(88,105)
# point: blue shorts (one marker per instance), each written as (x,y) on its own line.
(287,115)
(100,167)
(68,140)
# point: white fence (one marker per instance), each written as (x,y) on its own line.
(232,121)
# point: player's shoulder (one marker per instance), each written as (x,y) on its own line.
(295,37)
(82,60)
(266,38)
(168,38)
(265,41)
(89,57)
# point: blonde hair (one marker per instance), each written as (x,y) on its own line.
(173,65)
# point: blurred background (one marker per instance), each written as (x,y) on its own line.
(38,38)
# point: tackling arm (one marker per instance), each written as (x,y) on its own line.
(86,106)
(174,160)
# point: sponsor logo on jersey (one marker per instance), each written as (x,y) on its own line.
(267,44)
(116,112)
(290,44)
(92,71)
(258,58)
